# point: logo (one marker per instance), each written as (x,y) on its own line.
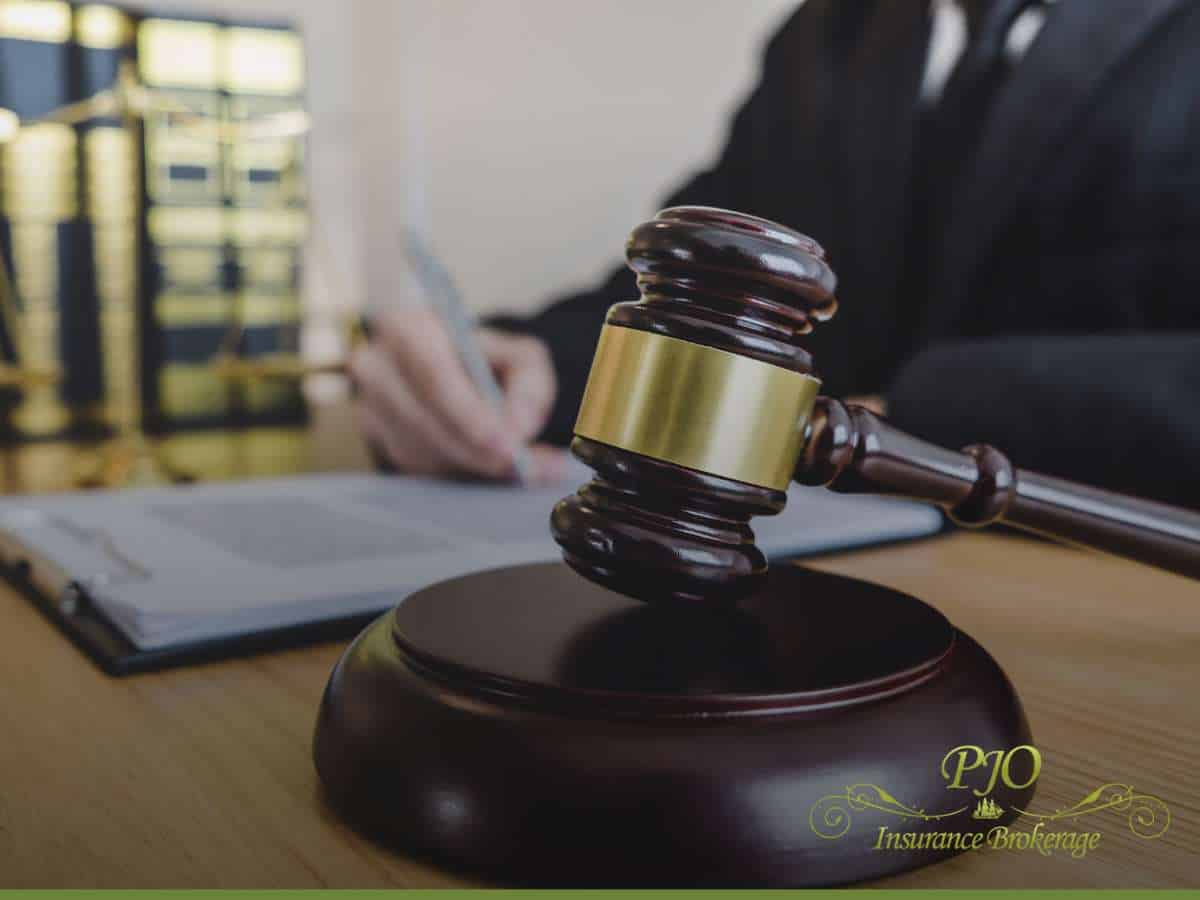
(968,758)
(987,808)
(964,826)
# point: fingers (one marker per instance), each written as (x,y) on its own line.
(392,451)
(406,428)
(428,362)
(422,412)
(526,374)
(549,464)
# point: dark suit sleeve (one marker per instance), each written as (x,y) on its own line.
(571,325)
(1120,411)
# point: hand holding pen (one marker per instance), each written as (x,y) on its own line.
(440,396)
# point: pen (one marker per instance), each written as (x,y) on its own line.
(442,292)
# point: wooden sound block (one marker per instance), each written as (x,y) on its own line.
(531,726)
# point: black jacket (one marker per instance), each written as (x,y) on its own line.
(1058,316)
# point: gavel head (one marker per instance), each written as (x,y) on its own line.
(696,407)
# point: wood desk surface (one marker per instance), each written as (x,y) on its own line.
(203,777)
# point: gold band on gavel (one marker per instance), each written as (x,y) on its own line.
(696,406)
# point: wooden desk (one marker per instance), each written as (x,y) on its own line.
(203,777)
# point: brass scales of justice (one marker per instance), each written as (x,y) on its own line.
(132,458)
(662,709)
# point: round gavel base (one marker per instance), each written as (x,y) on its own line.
(532,727)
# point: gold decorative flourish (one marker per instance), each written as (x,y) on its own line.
(829,817)
(1149,817)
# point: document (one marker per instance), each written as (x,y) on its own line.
(174,565)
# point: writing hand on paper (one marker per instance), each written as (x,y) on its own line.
(423,415)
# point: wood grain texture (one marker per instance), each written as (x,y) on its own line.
(203,777)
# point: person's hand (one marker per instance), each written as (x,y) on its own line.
(422,413)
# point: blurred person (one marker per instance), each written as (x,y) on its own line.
(1009,192)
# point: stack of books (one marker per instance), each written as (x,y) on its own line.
(148,238)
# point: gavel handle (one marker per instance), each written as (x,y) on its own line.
(850,449)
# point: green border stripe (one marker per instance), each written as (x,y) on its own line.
(600,894)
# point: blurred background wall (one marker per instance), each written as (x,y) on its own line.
(541,130)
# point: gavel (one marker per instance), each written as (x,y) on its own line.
(702,405)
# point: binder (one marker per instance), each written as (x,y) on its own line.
(187,273)
(112,204)
(47,241)
(70,607)
(264,185)
(143,578)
